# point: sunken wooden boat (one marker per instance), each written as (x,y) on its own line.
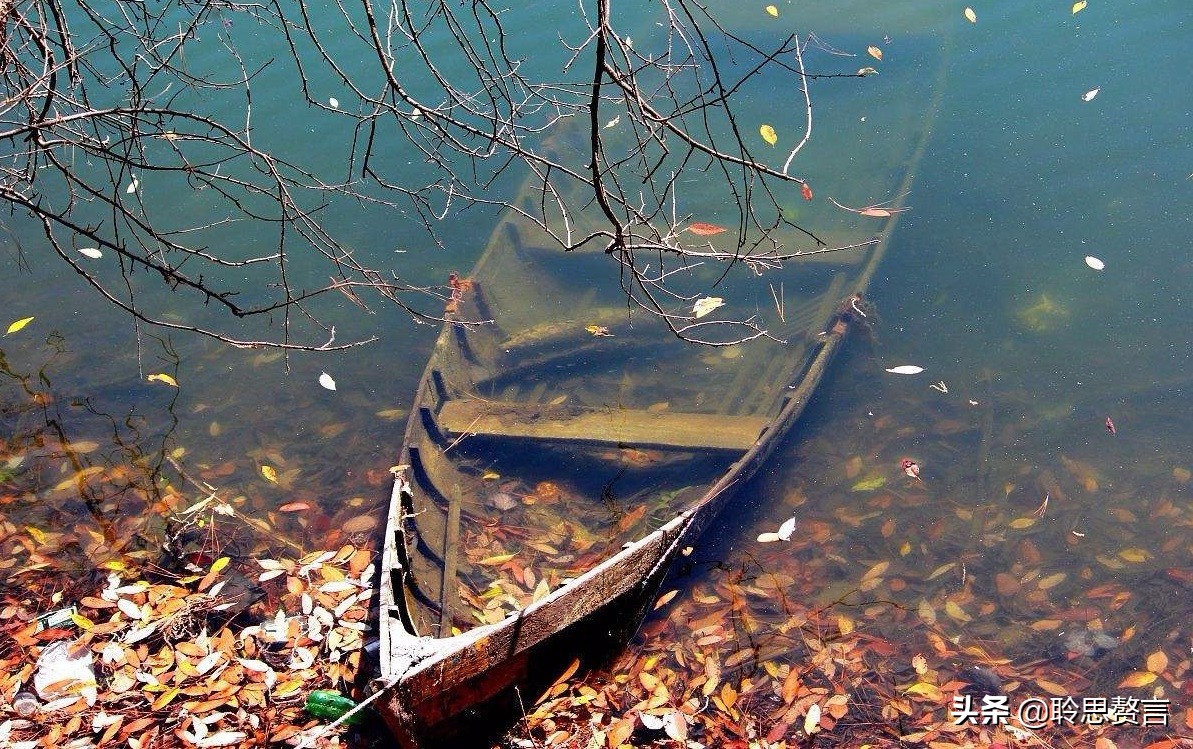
(562,453)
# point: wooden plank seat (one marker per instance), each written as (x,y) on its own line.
(604,426)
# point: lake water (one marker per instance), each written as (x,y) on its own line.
(985,285)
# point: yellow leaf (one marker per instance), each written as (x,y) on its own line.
(270,473)
(1138,679)
(768,134)
(1134,555)
(26,320)
(956,612)
(875,52)
(869,484)
(1078,6)
(1022,523)
(924,689)
(490,476)
(163,378)
(219,565)
(845,624)
(115,565)
(772,10)
(498,559)
(37,534)
(1157,662)
(971,16)
(81,621)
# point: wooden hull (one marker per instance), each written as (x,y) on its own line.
(549,477)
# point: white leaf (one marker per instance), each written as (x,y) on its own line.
(1094,262)
(652,722)
(334,102)
(613,122)
(906,369)
(254,665)
(337,586)
(786,529)
(269,575)
(208,662)
(812,719)
(326,381)
(224,738)
(129,609)
(132,186)
(1089,95)
(91,252)
(707,304)
(769,537)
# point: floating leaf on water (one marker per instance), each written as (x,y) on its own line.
(18,325)
(867,71)
(165,378)
(1078,6)
(334,102)
(91,252)
(270,473)
(327,382)
(876,212)
(768,134)
(786,529)
(705,305)
(971,16)
(599,331)
(806,191)
(613,122)
(490,476)
(1089,95)
(704,229)
(906,369)
(772,10)
(768,537)
(132,186)
(1094,262)
(874,52)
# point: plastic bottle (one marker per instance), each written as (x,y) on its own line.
(26,704)
(330,705)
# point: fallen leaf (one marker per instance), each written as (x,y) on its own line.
(805,191)
(18,325)
(926,690)
(327,382)
(875,52)
(1157,662)
(707,304)
(1137,679)
(132,186)
(786,529)
(772,10)
(294,507)
(705,230)
(971,16)
(1094,262)
(768,538)
(270,473)
(91,252)
(334,102)
(905,369)
(867,71)
(768,134)
(1089,95)
(1079,6)
(613,122)
(812,719)
(665,599)
(875,212)
(167,379)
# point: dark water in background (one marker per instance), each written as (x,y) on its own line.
(985,286)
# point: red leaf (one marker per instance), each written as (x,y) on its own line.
(704,229)
(806,191)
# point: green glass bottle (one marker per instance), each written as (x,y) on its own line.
(329,704)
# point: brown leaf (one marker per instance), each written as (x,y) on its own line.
(704,229)
(1157,662)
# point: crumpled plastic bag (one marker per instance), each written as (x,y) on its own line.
(62,673)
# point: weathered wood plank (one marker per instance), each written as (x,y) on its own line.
(606,426)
